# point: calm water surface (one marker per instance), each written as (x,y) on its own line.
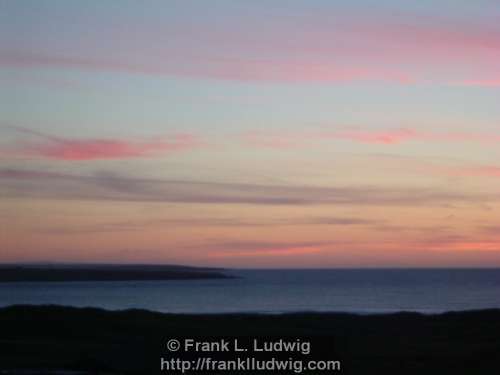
(277,291)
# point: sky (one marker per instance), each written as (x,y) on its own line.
(233,133)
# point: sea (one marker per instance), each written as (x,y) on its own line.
(363,291)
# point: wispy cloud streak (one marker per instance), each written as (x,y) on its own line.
(397,136)
(70,149)
(247,70)
(353,48)
(190,222)
(105,186)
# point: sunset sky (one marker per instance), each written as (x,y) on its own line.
(251,133)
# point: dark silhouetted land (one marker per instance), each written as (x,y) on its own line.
(131,342)
(106,273)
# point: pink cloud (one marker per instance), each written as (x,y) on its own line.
(249,249)
(479,245)
(354,48)
(102,149)
(285,140)
(394,136)
(379,137)
(478,171)
(94,149)
(292,250)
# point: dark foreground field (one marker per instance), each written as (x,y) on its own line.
(105,342)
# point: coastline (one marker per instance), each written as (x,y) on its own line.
(130,341)
(74,273)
